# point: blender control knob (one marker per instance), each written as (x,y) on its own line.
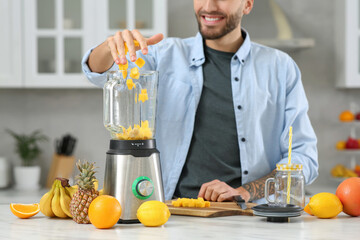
(145,188)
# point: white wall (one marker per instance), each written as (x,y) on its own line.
(79,112)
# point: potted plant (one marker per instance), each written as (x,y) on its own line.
(27,176)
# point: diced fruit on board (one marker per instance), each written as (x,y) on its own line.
(190,202)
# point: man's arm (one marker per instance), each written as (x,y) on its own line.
(256,189)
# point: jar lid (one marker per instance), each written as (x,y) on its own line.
(289,167)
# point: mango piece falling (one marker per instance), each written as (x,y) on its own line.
(134,73)
(143,96)
(124,66)
(130,84)
(140,62)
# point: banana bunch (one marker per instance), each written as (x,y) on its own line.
(341,171)
(56,202)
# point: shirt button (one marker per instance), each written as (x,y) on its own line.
(243,139)
(242,60)
(235,58)
(246,172)
(239,107)
(193,59)
(236,79)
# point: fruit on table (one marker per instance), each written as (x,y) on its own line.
(104,211)
(55,203)
(153,213)
(325,205)
(349,194)
(340,145)
(190,202)
(352,143)
(341,171)
(307,210)
(357,116)
(24,210)
(357,170)
(346,116)
(86,193)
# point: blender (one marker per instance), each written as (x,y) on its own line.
(132,169)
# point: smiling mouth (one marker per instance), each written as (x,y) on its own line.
(211,20)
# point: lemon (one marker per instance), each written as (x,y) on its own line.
(325,205)
(153,213)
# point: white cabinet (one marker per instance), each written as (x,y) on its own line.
(148,16)
(55,34)
(347,35)
(10,44)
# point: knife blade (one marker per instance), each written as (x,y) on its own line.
(240,202)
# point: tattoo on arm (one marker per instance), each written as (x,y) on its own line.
(257,187)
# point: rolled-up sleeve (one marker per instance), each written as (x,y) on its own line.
(304,150)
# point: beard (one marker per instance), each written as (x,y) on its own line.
(210,32)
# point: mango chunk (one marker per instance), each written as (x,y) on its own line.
(124,73)
(190,202)
(134,73)
(140,62)
(143,96)
(130,84)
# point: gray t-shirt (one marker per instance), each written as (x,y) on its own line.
(214,150)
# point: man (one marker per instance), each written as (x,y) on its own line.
(225,104)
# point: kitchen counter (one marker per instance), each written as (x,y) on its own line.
(178,227)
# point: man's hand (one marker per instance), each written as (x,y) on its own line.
(113,50)
(117,49)
(218,191)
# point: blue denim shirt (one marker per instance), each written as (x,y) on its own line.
(268,98)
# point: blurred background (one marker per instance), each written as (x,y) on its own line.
(42,86)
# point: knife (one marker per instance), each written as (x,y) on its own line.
(240,202)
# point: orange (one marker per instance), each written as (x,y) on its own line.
(24,210)
(349,194)
(340,145)
(104,211)
(307,210)
(346,116)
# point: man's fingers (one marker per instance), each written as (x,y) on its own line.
(120,47)
(204,187)
(225,196)
(142,41)
(154,39)
(129,39)
(113,50)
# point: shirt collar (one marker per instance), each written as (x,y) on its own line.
(197,56)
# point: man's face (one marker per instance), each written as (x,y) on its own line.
(216,18)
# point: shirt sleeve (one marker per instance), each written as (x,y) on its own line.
(304,150)
(99,79)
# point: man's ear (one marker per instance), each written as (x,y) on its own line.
(248,6)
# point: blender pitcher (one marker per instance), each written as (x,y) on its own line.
(132,170)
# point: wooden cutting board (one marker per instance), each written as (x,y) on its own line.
(216,209)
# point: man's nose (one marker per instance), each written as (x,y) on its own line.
(210,6)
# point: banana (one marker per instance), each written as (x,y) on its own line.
(45,202)
(71,190)
(101,192)
(65,202)
(55,203)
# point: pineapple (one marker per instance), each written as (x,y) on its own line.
(81,200)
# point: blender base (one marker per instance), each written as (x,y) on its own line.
(121,221)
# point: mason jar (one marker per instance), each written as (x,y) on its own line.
(289,186)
